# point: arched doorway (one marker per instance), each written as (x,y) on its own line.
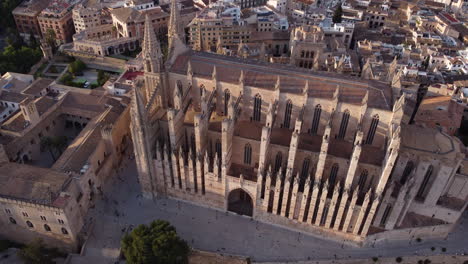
(240,202)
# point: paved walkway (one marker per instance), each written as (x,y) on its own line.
(216,231)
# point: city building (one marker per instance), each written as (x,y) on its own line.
(25,15)
(46,192)
(318,152)
(224,22)
(57,18)
(88,17)
(129,22)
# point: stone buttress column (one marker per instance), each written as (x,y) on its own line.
(362,212)
(386,200)
(191,172)
(183,175)
(258,200)
(285,198)
(320,167)
(276,200)
(439,183)
(178,182)
(353,165)
(421,171)
(199,170)
(266,199)
(350,212)
(370,216)
(399,203)
(293,145)
(398,170)
(341,209)
(305,197)
(294,196)
(166,165)
(321,203)
(315,189)
(333,205)
(392,155)
(264,146)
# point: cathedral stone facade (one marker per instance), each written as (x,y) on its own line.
(316,152)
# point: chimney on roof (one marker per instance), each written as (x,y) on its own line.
(29,110)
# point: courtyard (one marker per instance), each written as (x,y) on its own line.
(89,75)
(122,207)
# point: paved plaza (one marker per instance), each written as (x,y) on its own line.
(216,231)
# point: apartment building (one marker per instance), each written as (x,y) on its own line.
(57,17)
(25,15)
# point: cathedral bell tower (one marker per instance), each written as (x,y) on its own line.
(175,27)
(152,60)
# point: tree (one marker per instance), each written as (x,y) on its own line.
(157,243)
(51,38)
(77,67)
(33,41)
(338,15)
(36,253)
(19,59)
(55,145)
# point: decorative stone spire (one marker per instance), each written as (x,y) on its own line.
(396,81)
(391,69)
(219,47)
(189,70)
(175,27)
(306,88)
(365,99)
(213,75)
(278,83)
(336,94)
(262,53)
(367,71)
(241,77)
(152,54)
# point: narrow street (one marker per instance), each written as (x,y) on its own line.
(216,231)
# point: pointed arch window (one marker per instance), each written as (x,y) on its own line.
(386,214)
(304,173)
(408,169)
(333,174)
(47,228)
(278,161)
(247,154)
(193,144)
(332,180)
(363,179)
(316,119)
(372,129)
(305,169)
(30,225)
(227,97)
(257,108)
(287,114)
(344,124)
(218,147)
(180,88)
(422,190)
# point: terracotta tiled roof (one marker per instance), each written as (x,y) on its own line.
(24,182)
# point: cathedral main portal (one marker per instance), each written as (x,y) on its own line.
(240,202)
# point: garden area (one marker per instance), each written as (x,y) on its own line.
(33,253)
(157,242)
(80,76)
